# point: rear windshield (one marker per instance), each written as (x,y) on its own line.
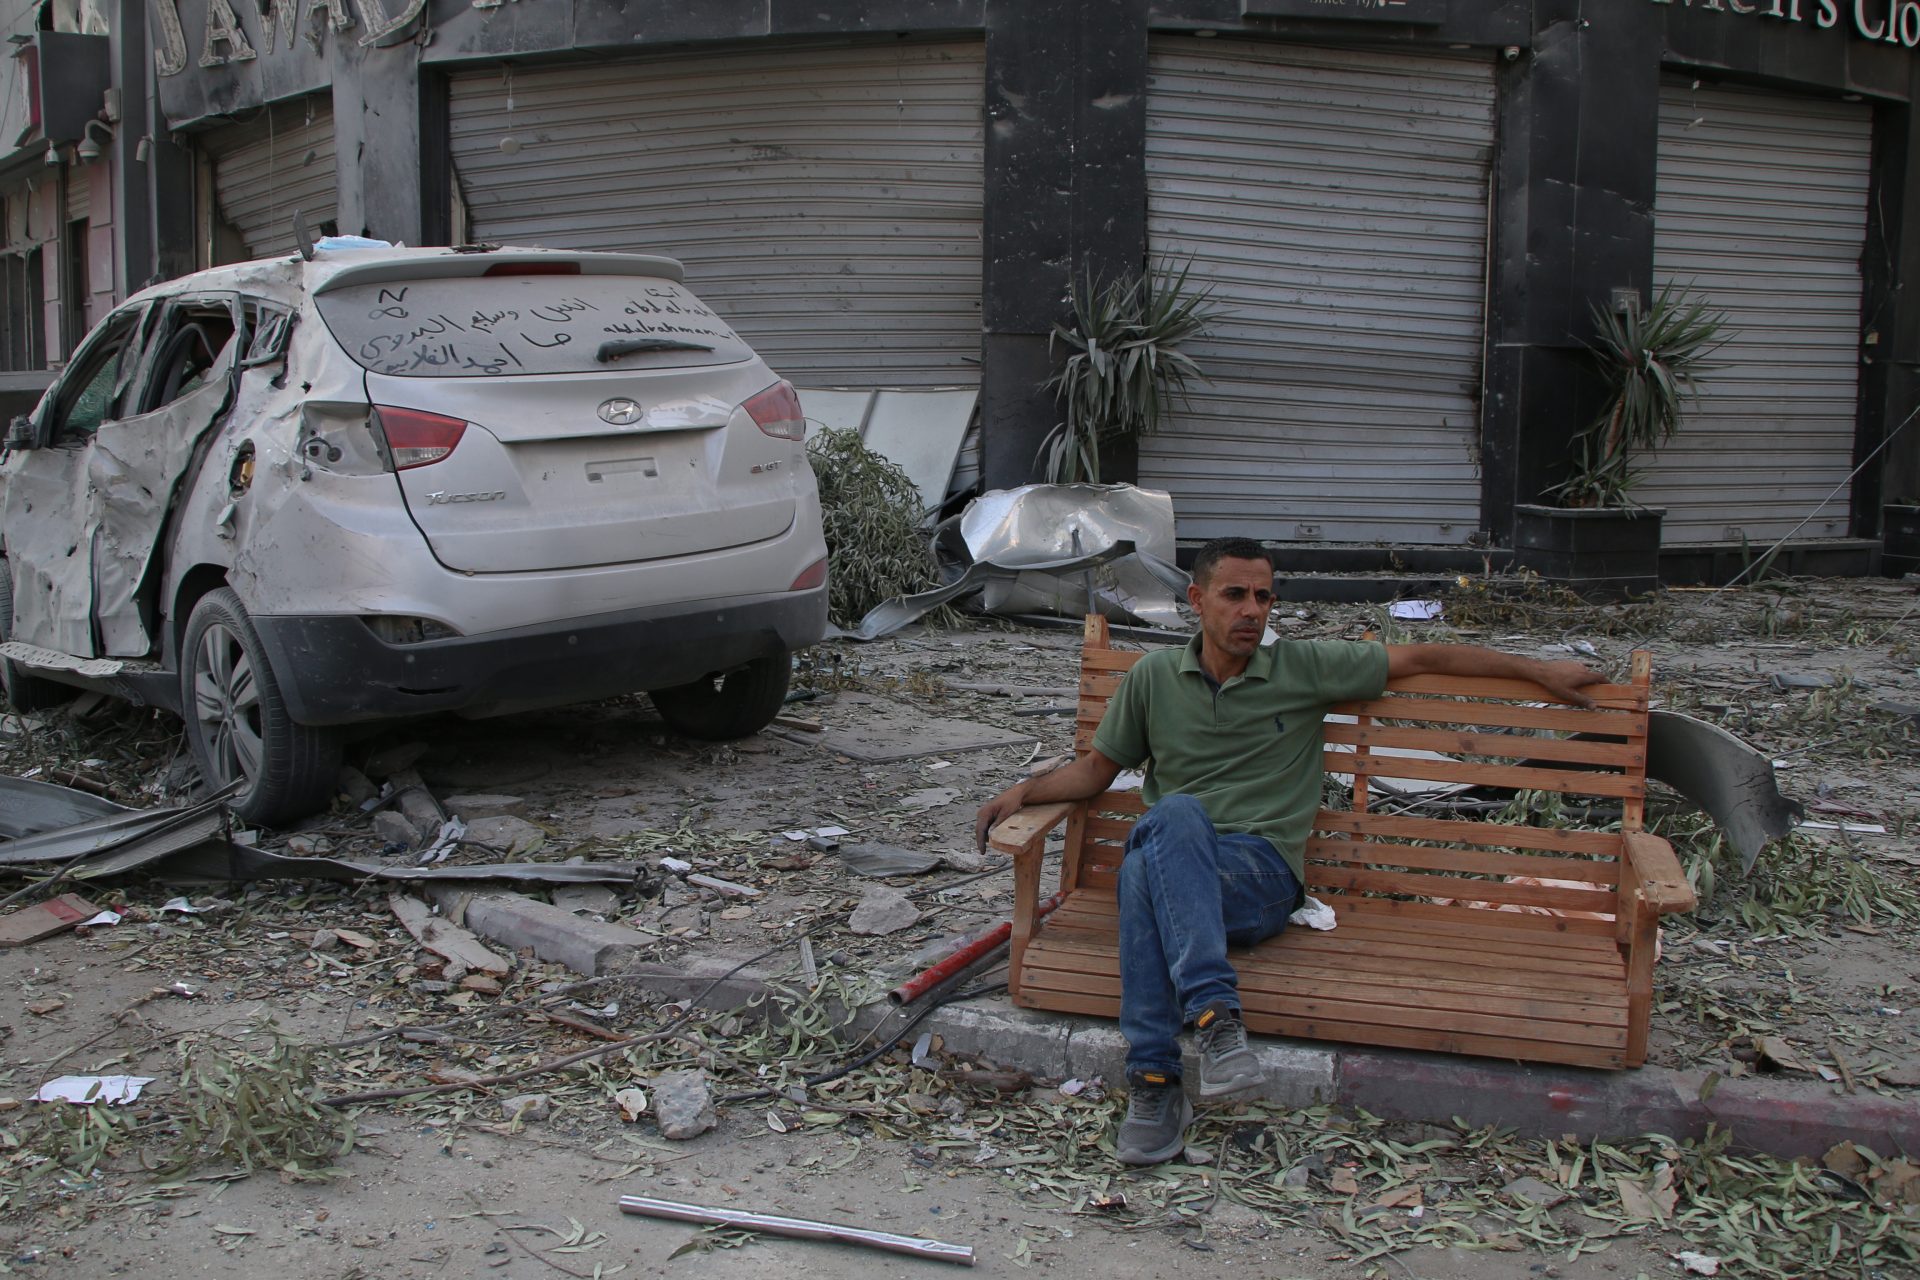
(483,326)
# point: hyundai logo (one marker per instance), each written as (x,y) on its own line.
(621,412)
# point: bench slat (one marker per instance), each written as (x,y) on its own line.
(1496,715)
(1402,1012)
(1489,835)
(1486,941)
(1517,746)
(1514,777)
(1457,888)
(1466,861)
(1465,921)
(1266,986)
(1623,697)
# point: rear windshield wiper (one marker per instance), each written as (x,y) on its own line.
(634,346)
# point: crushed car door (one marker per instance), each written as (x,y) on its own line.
(135,467)
(49,542)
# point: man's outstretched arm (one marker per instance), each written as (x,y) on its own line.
(1563,680)
(1084,779)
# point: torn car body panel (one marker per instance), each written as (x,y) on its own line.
(135,469)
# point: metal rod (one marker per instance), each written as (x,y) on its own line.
(798,1228)
(912,989)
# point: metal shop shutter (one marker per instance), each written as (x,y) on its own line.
(264,169)
(1336,200)
(1761,205)
(826,202)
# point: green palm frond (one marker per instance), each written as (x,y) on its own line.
(1651,360)
(1124,369)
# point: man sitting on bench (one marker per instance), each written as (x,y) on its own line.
(1230,733)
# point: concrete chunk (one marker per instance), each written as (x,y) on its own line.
(471,807)
(683,1104)
(514,921)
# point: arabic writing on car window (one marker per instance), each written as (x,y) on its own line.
(488,326)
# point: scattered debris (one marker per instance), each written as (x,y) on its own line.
(44,919)
(1415,610)
(112,1090)
(683,1105)
(883,860)
(529,1108)
(444,938)
(881,911)
(472,808)
(506,835)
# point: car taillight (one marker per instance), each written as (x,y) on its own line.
(416,439)
(812,576)
(777,412)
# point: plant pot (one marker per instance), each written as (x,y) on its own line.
(1900,539)
(1602,552)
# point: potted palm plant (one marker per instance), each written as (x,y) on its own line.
(1596,538)
(1124,365)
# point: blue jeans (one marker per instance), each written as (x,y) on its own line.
(1187,893)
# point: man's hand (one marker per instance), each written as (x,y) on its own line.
(996,810)
(1088,776)
(1565,680)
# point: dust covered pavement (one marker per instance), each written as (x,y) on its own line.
(1806,967)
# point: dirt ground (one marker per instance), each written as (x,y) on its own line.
(1814,951)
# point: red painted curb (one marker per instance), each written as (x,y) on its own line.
(1781,1117)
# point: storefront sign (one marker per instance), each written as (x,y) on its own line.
(1888,21)
(1423,12)
(277,24)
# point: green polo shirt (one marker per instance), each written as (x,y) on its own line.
(1248,750)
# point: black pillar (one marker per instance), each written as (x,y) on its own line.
(1065,189)
(377,135)
(1573,222)
(1890,271)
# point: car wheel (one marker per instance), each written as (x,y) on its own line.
(24,692)
(238,724)
(731,704)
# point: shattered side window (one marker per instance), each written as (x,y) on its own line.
(269,329)
(196,335)
(88,396)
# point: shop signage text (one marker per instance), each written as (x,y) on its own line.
(1887,21)
(279,24)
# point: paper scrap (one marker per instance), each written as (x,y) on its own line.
(1415,610)
(105,917)
(89,1089)
(1314,914)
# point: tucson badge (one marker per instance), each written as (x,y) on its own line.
(621,412)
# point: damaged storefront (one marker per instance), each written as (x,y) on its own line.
(1406,212)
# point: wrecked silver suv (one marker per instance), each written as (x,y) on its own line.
(289,496)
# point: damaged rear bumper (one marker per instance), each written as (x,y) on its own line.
(334,670)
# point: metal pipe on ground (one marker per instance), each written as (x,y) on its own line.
(797,1228)
(963,959)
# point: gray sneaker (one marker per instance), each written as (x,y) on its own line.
(1158,1114)
(1227,1064)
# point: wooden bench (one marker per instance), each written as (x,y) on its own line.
(1422,957)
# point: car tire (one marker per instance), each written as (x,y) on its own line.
(23,692)
(238,724)
(730,704)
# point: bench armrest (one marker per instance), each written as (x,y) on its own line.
(1662,886)
(1025,833)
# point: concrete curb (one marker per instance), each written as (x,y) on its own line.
(1781,1117)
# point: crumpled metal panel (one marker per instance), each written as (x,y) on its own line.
(49,558)
(134,470)
(1066,549)
(1045,524)
(1732,781)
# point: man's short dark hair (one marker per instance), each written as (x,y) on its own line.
(1226,549)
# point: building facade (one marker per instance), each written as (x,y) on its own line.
(1407,209)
